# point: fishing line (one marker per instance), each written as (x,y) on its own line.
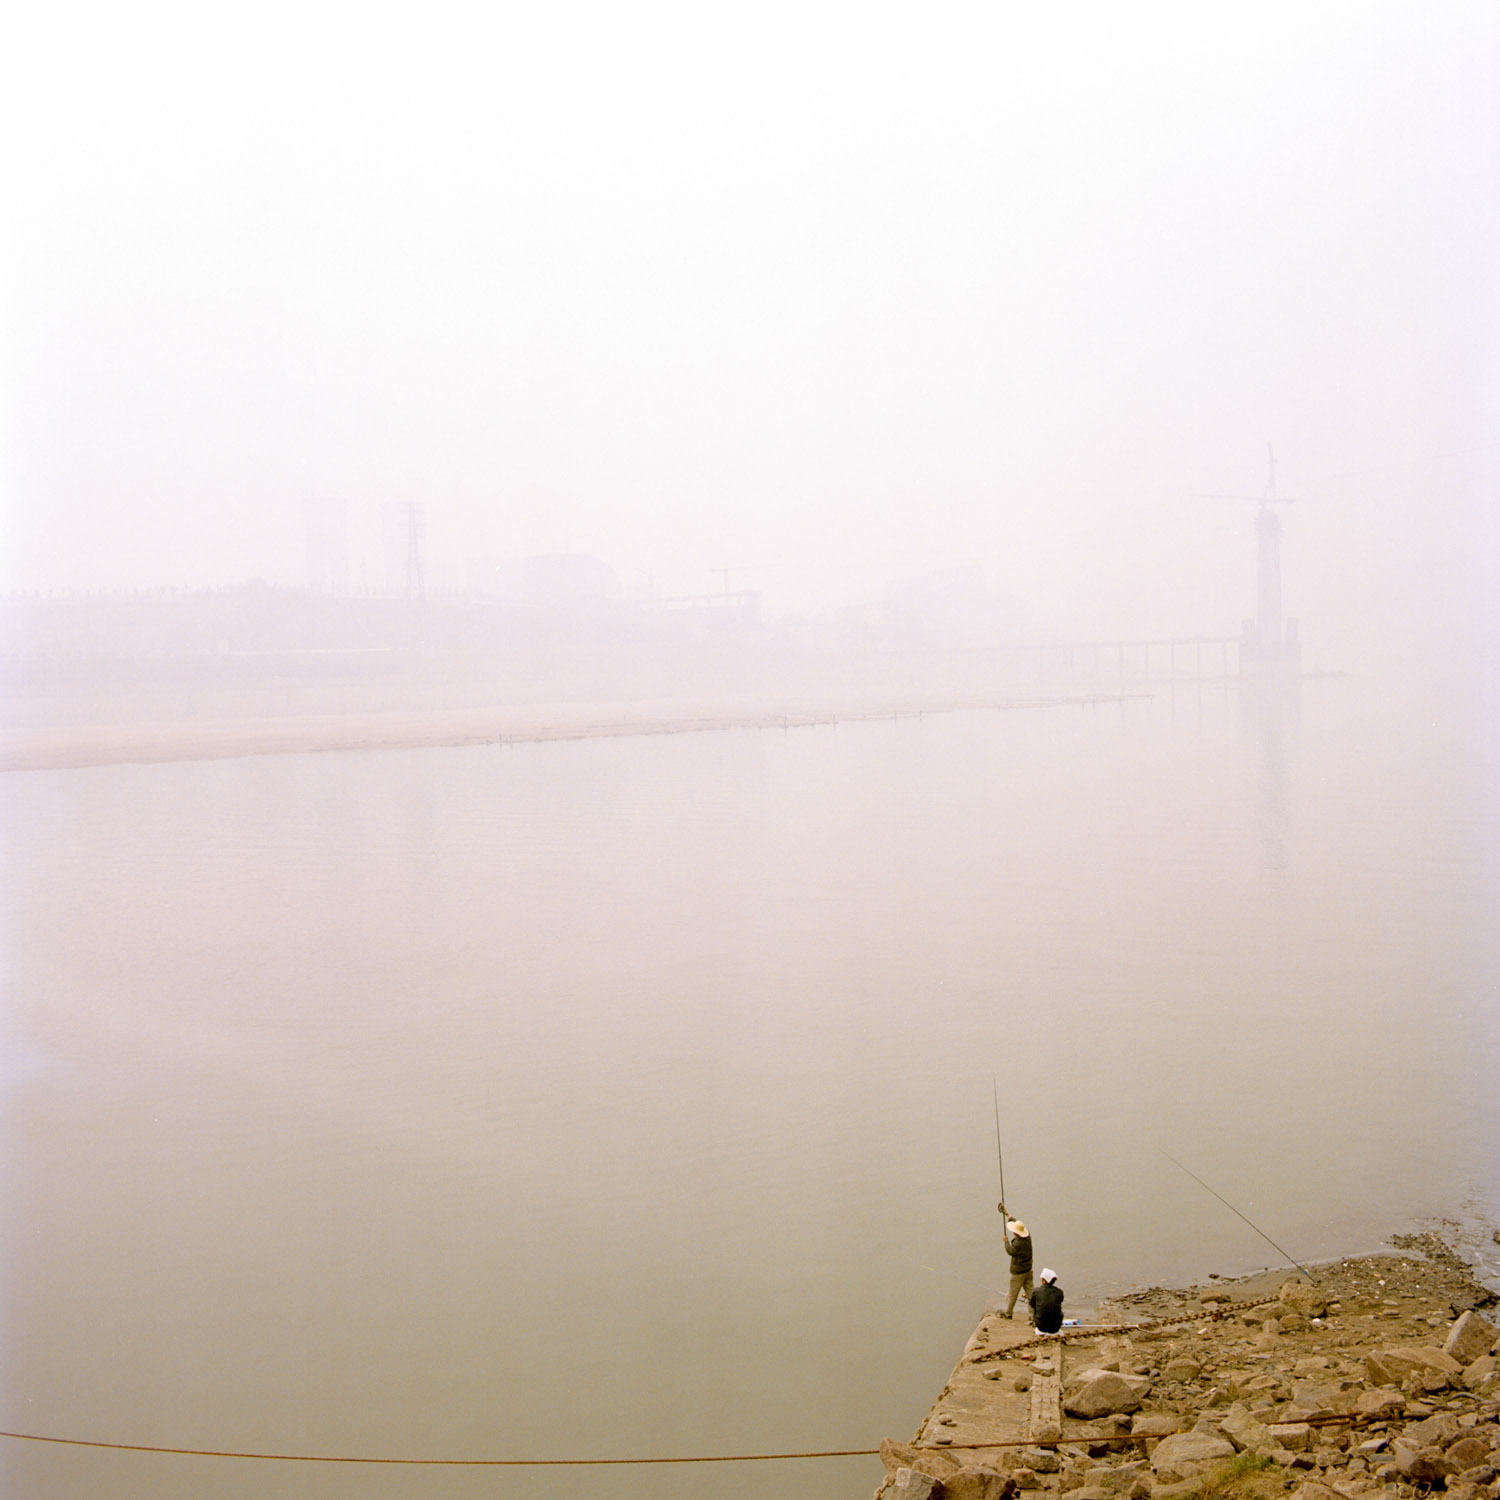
(1232,1209)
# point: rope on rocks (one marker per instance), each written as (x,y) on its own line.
(1093,1330)
(1348,1419)
(476,1463)
(1085,1331)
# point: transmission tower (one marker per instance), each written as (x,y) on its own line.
(411,523)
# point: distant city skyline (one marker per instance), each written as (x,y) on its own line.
(818,299)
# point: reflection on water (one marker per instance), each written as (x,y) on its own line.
(1271,712)
(634,1097)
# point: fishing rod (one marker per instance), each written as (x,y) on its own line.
(999,1155)
(1227,1204)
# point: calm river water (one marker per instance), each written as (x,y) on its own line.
(634,1097)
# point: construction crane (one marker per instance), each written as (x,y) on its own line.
(1268,497)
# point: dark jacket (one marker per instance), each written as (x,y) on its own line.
(1046,1307)
(1020,1254)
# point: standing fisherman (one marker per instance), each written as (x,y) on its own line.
(1018,1246)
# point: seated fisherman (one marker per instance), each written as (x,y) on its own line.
(1047,1303)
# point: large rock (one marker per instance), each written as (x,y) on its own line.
(1380,1404)
(1440,1429)
(941,1476)
(1303,1297)
(1294,1437)
(1103,1430)
(896,1456)
(1469,1338)
(1481,1370)
(1185,1454)
(1155,1424)
(1116,1479)
(1253,1384)
(1040,1460)
(1468,1453)
(1422,1463)
(976,1483)
(1427,1382)
(1314,1399)
(1245,1432)
(912,1484)
(1392,1366)
(1099,1393)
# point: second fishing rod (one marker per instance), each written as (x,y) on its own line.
(1017,1245)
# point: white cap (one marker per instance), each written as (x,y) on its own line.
(1049,1275)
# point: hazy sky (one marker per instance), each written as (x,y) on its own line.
(827,293)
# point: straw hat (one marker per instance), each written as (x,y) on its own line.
(1016,1227)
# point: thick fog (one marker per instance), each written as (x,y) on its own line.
(493,391)
(795,298)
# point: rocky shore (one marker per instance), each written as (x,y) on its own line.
(1375,1378)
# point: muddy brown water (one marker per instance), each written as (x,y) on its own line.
(633,1098)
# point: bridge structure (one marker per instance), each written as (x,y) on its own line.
(1184,658)
(1192,657)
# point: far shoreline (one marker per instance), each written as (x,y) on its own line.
(76,747)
